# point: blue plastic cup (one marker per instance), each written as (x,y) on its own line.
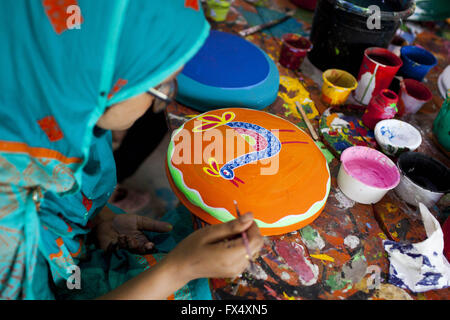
(416,62)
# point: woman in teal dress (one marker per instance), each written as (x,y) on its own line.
(71,71)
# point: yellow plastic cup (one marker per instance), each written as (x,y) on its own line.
(337,85)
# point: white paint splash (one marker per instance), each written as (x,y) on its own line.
(338,123)
(366,85)
(259,273)
(285,276)
(351,241)
(344,201)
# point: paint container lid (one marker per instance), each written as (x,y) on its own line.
(425,171)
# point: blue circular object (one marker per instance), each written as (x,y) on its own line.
(222,57)
(228,71)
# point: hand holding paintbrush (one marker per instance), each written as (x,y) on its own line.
(245,239)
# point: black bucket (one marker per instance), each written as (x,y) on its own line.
(340,33)
(425,171)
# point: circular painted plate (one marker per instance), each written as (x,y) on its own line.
(265,163)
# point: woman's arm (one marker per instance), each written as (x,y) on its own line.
(212,252)
(156,283)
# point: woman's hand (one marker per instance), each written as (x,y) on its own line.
(212,252)
(217,251)
(125,231)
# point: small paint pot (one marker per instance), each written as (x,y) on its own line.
(217,10)
(424,179)
(412,96)
(382,106)
(416,62)
(378,68)
(395,137)
(337,85)
(366,175)
(305,4)
(294,48)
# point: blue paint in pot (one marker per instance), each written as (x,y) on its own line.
(417,62)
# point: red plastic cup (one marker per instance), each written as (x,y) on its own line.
(381,107)
(378,68)
(412,96)
(305,4)
(293,50)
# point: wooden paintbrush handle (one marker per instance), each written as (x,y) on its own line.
(308,123)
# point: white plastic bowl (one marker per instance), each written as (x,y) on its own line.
(395,137)
(366,175)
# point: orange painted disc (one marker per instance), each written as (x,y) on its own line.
(265,163)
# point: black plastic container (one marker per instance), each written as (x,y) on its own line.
(425,171)
(340,33)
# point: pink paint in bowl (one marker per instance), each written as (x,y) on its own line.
(366,174)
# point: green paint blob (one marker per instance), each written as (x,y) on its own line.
(309,233)
(335,282)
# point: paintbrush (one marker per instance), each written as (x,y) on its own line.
(245,239)
(251,30)
(308,123)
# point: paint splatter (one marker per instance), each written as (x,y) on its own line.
(271,292)
(258,273)
(323,257)
(343,201)
(391,292)
(295,91)
(287,297)
(312,238)
(285,276)
(295,256)
(351,241)
(382,236)
(355,269)
(336,282)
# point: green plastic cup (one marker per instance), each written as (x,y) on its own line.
(217,10)
(441,125)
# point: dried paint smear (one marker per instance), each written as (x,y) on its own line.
(296,92)
(343,201)
(312,238)
(296,257)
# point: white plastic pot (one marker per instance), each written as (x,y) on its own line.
(370,179)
